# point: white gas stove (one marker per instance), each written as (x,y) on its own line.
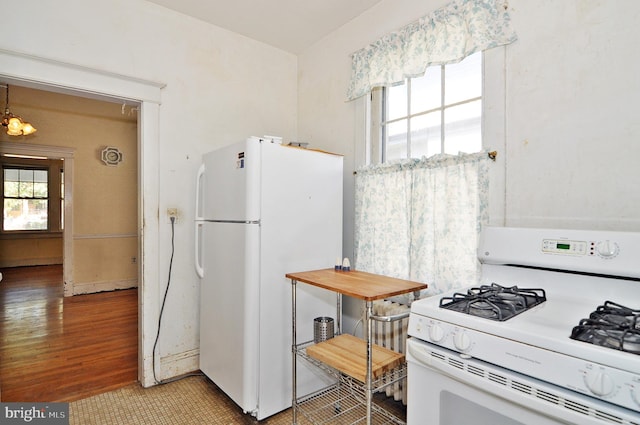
(537,287)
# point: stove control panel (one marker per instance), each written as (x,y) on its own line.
(606,249)
(565,247)
(442,333)
(601,252)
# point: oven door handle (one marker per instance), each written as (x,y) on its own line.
(455,368)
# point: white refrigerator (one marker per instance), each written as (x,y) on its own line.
(263,210)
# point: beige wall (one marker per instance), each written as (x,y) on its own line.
(105,244)
(29,252)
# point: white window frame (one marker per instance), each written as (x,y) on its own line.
(55,195)
(378,110)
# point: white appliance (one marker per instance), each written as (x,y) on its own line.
(573,357)
(263,210)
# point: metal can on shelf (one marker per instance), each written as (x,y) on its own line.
(322,328)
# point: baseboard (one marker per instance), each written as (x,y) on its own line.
(111,285)
(179,364)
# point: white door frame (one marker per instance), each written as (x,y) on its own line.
(46,74)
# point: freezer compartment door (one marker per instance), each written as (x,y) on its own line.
(230,187)
(229,297)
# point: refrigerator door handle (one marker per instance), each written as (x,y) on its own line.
(199,180)
(199,268)
(198,222)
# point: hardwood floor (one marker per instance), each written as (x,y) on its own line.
(63,349)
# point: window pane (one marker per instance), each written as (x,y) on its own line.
(26,199)
(425,91)
(396,146)
(425,135)
(462,128)
(40,176)
(11,189)
(40,190)
(25,214)
(396,102)
(463,80)
(25,175)
(25,189)
(10,175)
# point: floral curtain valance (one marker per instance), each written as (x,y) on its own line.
(446,35)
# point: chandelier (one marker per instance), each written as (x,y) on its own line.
(16,126)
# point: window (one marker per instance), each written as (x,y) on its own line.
(26,198)
(440,112)
(32,195)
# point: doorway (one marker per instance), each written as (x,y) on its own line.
(48,320)
(47,74)
(100,243)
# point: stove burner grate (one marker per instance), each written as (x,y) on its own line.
(611,325)
(493,301)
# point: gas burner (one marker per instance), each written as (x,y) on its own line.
(493,301)
(618,314)
(611,325)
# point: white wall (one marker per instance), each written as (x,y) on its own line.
(564,119)
(220,88)
(572,115)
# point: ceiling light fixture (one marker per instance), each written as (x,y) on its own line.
(15,125)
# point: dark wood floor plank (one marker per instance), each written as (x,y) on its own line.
(62,349)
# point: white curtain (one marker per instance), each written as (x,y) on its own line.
(444,36)
(421,219)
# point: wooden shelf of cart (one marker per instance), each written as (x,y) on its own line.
(347,354)
(350,357)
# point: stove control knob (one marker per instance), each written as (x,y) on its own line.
(607,249)
(599,383)
(461,340)
(436,333)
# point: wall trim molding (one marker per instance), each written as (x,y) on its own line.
(52,152)
(107,285)
(176,364)
(63,77)
(105,236)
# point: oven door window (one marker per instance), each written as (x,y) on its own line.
(455,409)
